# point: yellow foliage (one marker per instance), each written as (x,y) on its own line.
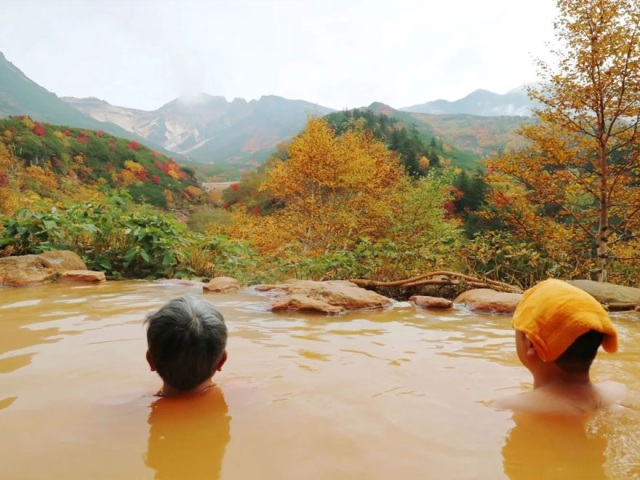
(335,190)
(169,196)
(127,177)
(173,174)
(133,166)
(45,177)
(580,174)
(193,192)
(28,123)
(9,201)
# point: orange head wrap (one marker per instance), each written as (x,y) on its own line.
(554,313)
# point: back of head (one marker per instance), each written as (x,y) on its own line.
(554,314)
(580,354)
(186,338)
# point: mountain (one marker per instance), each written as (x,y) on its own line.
(208,128)
(481,102)
(225,137)
(19,95)
(472,137)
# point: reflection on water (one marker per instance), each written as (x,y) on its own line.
(188,435)
(553,447)
(602,445)
(400,393)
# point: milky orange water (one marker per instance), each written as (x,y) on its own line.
(401,394)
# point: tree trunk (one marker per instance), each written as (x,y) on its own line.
(602,240)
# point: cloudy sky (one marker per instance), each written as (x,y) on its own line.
(337,53)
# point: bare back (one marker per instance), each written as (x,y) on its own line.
(565,399)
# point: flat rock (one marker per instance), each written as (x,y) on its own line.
(87,276)
(608,292)
(332,297)
(222,285)
(25,270)
(426,301)
(488,300)
(61,260)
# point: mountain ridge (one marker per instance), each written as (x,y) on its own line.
(481,102)
(210,128)
(238,134)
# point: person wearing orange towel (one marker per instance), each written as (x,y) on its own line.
(186,340)
(558,330)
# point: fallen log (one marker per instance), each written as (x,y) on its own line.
(445,278)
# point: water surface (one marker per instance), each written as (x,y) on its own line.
(402,393)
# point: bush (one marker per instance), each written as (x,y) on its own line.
(123,243)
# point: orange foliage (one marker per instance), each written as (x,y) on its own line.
(28,123)
(193,192)
(45,177)
(335,191)
(126,177)
(139,171)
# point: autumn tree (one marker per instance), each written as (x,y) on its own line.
(577,184)
(347,197)
(334,189)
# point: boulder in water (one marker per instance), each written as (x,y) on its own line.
(333,296)
(488,300)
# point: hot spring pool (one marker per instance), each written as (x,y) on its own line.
(396,394)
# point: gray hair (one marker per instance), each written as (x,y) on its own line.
(186,338)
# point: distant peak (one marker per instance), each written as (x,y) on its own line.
(480,91)
(197,99)
(271,98)
(379,107)
(84,99)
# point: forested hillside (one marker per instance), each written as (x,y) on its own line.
(45,162)
(418,145)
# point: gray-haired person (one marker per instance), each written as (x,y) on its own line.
(186,341)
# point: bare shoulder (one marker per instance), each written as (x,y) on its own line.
(535,401)
(564,400)
(611,393)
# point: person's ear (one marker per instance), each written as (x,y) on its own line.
(531,350)
(150,361)
(222,360)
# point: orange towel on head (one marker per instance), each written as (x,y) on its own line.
(554,313)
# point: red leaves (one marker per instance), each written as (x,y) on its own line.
(449,207)
(38,129)
(133,145)
(82,137)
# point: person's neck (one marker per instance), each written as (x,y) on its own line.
(169,391)
(561,378)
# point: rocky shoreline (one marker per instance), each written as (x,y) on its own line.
(328,297)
